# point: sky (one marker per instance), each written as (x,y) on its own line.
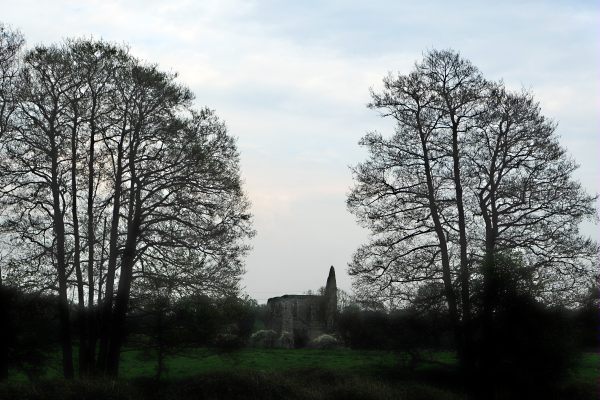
(291,80)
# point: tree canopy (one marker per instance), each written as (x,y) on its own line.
(110,176)
(456,130)
(472,174)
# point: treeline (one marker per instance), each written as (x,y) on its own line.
(535,346)
(164,327)
(111,181)
(158,326)
(521,318)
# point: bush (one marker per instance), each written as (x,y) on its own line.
(526,348)
(533,348)
(364,329)
(265,339)
(27,342)
(285,340)
(228,342)
(324,342)
(399,330)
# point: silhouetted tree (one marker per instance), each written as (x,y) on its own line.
(32,340)
(526,347)
(471,170)
(160,182)
(11,43)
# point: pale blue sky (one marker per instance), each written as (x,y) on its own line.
(291,80)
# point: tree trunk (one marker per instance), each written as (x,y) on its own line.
(160,366)
(106,312)
(127,260)
(439,230)
(91,318)
(122,300)
(466,353)
(81,314)
(486,352)
(4,332)
(59,231)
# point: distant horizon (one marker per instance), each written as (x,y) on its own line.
(291,81)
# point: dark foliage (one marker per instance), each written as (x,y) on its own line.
(530,347)
(30,328)
(402,330)
(199,319)
(239,314)
(228,342)
(586,320)
(533,348)
(364,329)
(164,326)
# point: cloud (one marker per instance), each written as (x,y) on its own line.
(291,81)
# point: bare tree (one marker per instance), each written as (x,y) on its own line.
(36,169)
(529,204)
(160,181)
(11,43)
(526,195)
(471,170)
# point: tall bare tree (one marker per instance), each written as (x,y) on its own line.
(529,204)
(36,170)
(11,43)
(472,170)
(526,196)
(397,195)
(160,182)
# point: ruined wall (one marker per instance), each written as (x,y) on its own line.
(304,317)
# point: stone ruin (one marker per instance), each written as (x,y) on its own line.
(298,319)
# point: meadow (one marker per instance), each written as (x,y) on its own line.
(304,374)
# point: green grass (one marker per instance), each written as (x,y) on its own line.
(232,385)
(194,361)
(190,362)
(587,371)
(305,374)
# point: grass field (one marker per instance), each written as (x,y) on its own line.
(269,360)
(190,362)
(587,371)
(277,374)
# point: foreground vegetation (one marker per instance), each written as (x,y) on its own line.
(203,373)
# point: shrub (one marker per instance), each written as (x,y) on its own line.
(265,338)
(227,342)
(526,348)
(324,342)
(285,340)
